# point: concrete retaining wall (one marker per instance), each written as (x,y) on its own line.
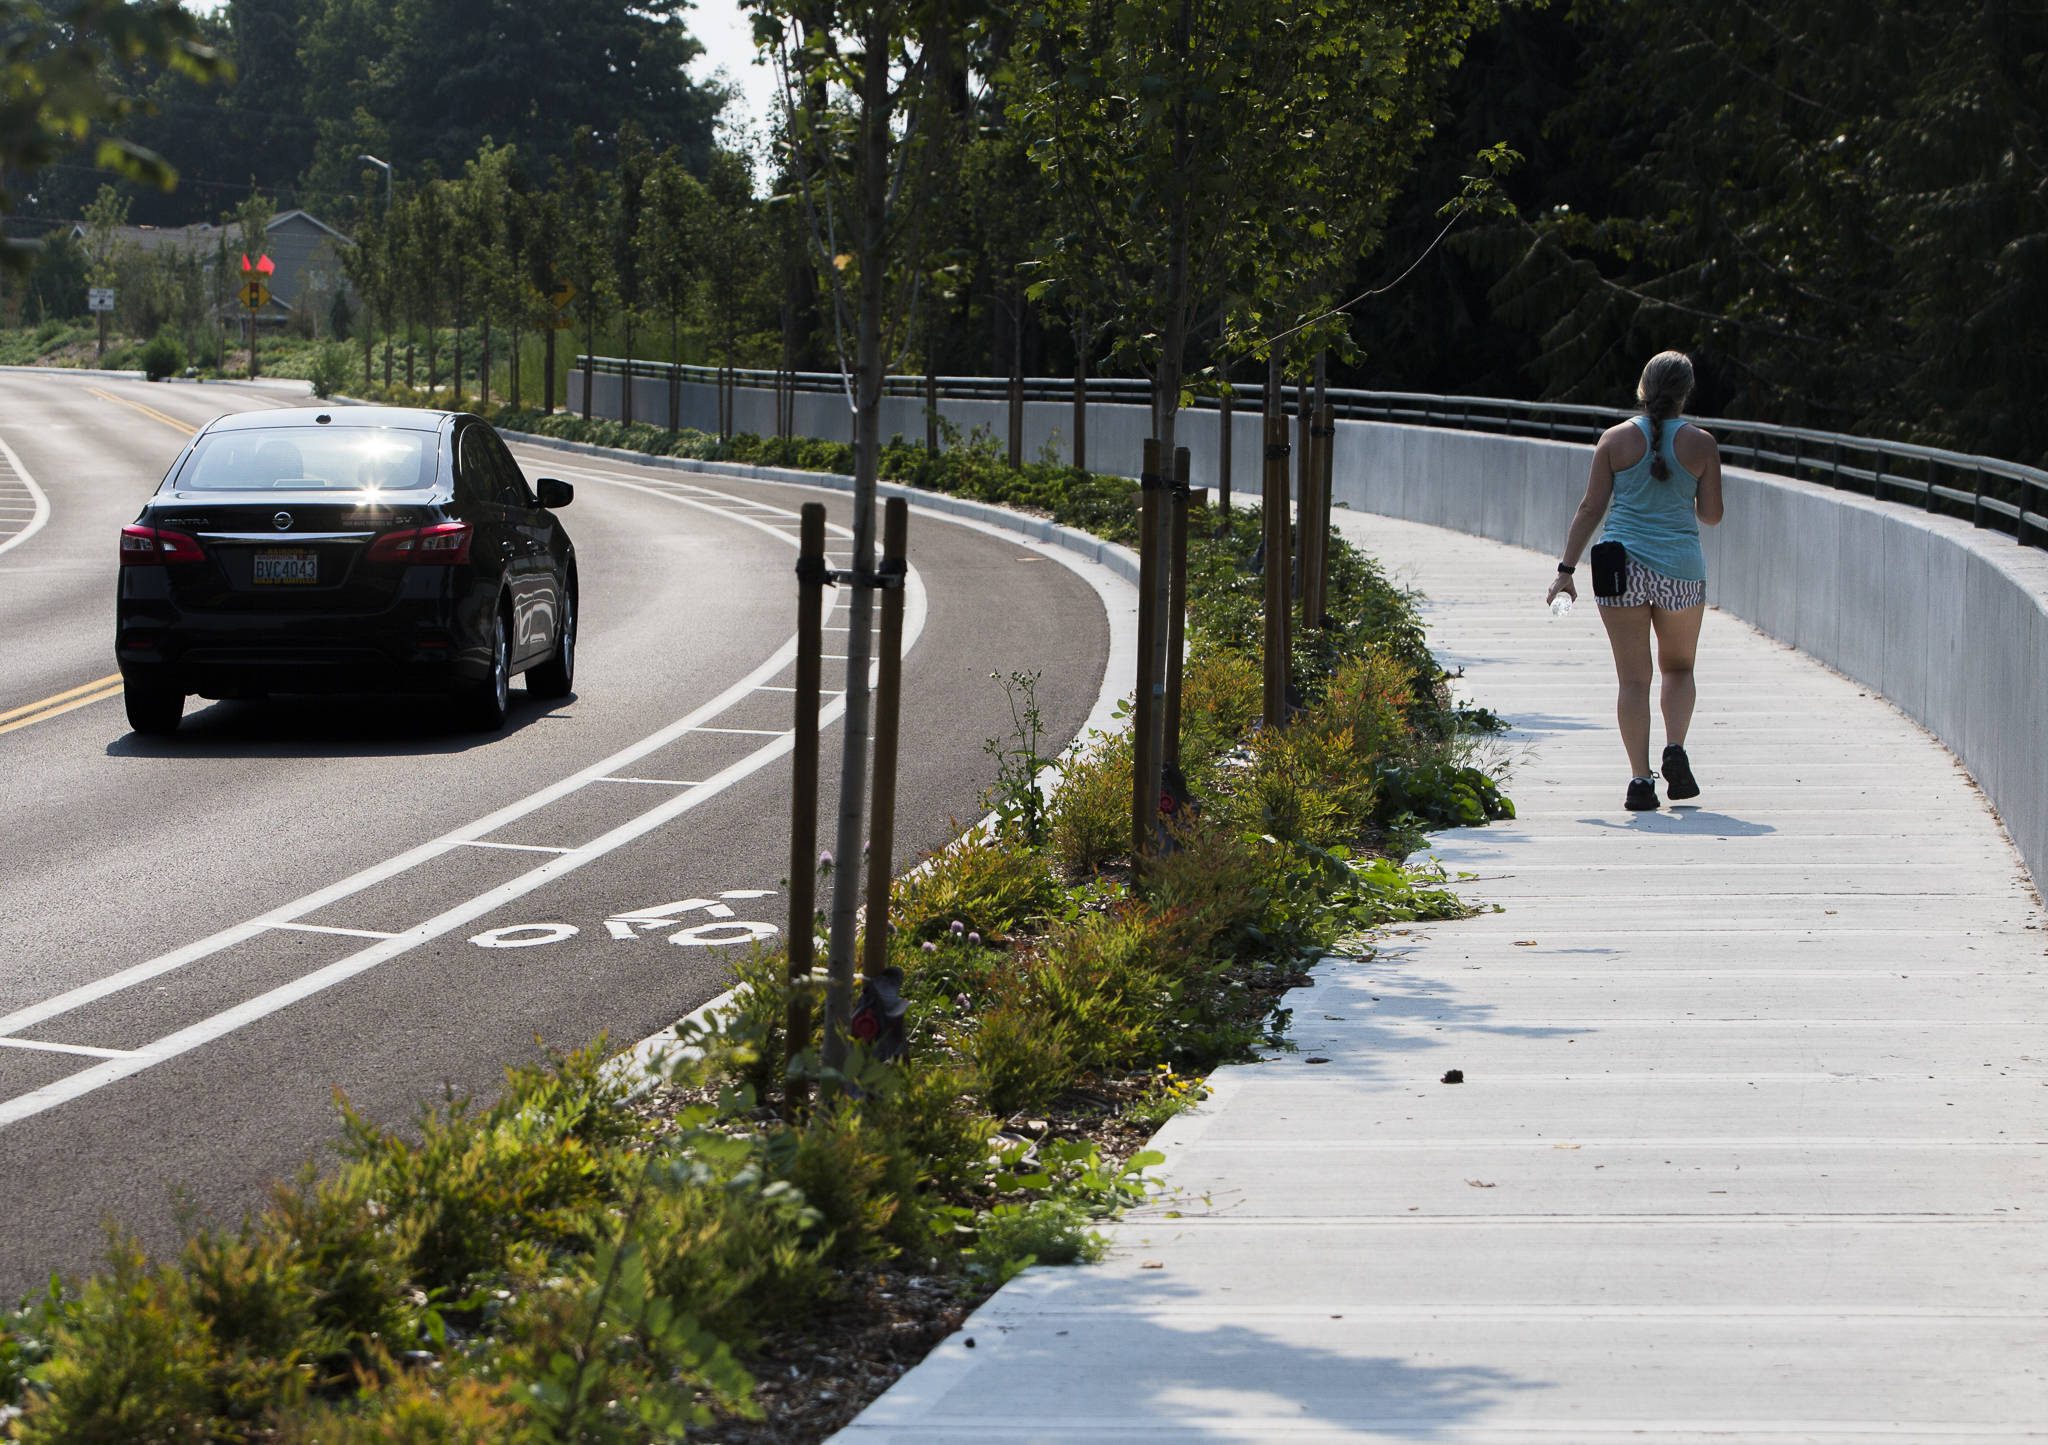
(1948,622)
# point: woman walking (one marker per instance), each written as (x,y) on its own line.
(1655,479)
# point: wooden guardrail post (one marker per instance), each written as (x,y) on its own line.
(890,578)
(812,575)
(1145,802)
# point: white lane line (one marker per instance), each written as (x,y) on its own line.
(328,928)
(774,687)
(86,1081)
(750,732)
(514,847)
(42,503)
(656,782)
(43,1046)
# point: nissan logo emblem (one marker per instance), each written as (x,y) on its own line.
(283,520)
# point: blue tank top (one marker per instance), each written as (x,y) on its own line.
(1655,520)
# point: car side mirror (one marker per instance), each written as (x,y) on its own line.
(553,493)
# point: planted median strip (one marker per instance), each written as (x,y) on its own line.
(572,1262)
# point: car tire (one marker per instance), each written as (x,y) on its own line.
(152,711)
(484,703)
(557,676)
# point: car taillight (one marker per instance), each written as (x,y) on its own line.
(152,547)
(445,544)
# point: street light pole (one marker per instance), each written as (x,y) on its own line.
(384,166)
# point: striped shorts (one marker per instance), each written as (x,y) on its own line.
(1646,588)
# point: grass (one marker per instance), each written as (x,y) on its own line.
(565,1263)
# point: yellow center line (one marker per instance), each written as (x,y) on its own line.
(149,411)
(56,697)
(62,703)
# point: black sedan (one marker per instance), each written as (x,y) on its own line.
(351,549)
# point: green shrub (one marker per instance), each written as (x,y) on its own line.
(414,1407)
(858,1180)
(162,357)
(1021,1060)
(982,883)
(933,1114)
(135,1359)
(1089,818)
(734,1250)
(533,1168)
(1441,794)
(1010,1238)
(330,369)
(1101,984)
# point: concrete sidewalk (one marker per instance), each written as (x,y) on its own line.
(1750,1145)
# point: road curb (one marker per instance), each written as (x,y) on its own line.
(640,1067)
(273,383)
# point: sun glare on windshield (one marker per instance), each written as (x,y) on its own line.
(308,459)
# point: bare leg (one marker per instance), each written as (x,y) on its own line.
(1678,642)
(1628,633)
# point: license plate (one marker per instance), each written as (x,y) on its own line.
(287,567)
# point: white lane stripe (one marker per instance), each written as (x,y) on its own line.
(329,928)
(754,732)
(42,511)
(34,1014)
(43,1046)
(515,847)
(657,782)
(85,1081)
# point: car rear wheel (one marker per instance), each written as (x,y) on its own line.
(484,703)
(557,676)
(152,711)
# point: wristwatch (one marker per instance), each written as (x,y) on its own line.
(1564,569)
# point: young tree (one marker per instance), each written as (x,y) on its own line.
(1199,148)
(362,265)
(857,90)
(670,227)
(589,200)
(736,266)
(629,202)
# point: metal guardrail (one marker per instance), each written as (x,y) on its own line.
(1988,492)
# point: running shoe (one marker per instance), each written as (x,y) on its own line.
(1678,779)
(1642,794)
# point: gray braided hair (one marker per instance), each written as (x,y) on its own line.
(1666,383)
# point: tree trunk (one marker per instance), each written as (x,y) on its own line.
(548,367)
(369,359)
(589,356)
(1223,440)
(1081,339)
(626,382)
(675,373)
(867,426)
(512,364)
(483,367)
(1017,379)
(457,391)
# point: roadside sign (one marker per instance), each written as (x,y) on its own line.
(254,295)
(99,298)
(561,323)
(562,295)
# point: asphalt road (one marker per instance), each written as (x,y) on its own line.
(203,938)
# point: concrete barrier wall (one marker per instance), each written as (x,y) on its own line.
(1948,622)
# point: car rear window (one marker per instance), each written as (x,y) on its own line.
(310,458)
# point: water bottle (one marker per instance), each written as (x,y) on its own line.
(1561,605)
